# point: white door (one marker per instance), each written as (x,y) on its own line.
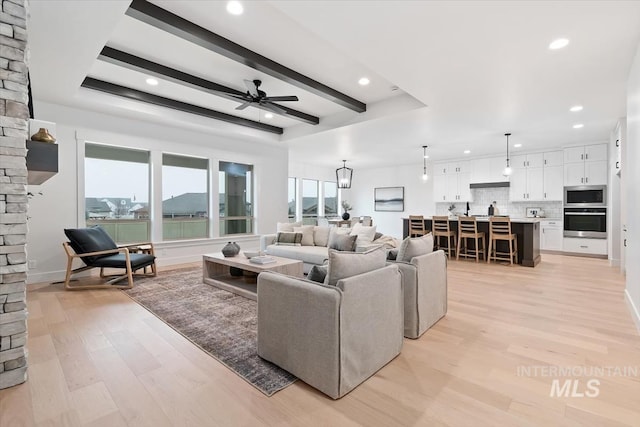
(553,183)
(439,188)
(535,160)
(553,158)
(551,238)
(462,166)
(452,187)
(440,168)
(535,184)
(574,154)
(464,191)
(574,173)
(595,153)
(595,173)
(518,162)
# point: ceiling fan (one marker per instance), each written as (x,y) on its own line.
(256,96)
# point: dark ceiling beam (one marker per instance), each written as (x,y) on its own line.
(136,63)
(180,27)
(149,98)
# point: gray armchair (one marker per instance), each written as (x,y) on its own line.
(331,337)
(424,280)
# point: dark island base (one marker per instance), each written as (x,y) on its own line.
(528,238)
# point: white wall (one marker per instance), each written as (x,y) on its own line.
(632,178)
(418,194)
(61,204)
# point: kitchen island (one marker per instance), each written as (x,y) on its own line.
(527,230)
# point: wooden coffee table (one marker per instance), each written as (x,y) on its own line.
(216,271)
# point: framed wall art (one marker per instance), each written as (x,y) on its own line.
(388,199)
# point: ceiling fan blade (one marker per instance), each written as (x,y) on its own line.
(251,87)
(240,97)
(273,108)
(243,106)
(280,98)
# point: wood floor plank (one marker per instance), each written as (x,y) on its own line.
(99,359)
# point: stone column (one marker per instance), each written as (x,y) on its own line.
(14,115)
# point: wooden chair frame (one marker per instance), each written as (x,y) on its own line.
(500,229)
(442,228)
(468,229)
(415,231)
(146,247)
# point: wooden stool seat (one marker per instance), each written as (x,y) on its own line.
(468,229)
(500,229)
(416,226)
(441,229)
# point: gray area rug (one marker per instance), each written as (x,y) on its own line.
(223,324)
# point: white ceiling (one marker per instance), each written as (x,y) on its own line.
(477,70)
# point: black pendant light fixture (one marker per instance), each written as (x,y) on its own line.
(425,177)
(344,175)
(507,170)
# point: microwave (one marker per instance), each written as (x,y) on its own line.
(585,195)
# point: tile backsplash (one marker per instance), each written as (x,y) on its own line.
(482,198)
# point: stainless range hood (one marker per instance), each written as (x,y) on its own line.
(489,184)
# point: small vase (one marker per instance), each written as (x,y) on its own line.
(230,250)
(237,246)
(43,135)
(346,216)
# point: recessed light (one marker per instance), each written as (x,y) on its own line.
(235,8)
(268,116)
(578,126)
(364,81)
(575,108)
(517,145)
(467,151)
(558,44)
(152,82)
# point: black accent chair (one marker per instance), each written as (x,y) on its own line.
(97,250)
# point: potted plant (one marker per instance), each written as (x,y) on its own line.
(346,207)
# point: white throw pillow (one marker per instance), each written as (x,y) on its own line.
(321,235)
(415,246)
(287,226)
(307,234)
(365,233)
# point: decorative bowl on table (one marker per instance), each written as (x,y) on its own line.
(251,254)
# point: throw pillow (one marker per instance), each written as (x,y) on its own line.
(344,242)
(288,239)
(287,226)
(348,264)
(415,246)
(318,273)
(335,231)
(365,233)
(377,235)
(321,235)
(392,255)
(307,234)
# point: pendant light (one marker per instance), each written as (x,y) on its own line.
(507,170)
(344,175)
(425,177)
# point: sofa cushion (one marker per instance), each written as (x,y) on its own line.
(415,246)
(365,233)
(344,242)
(288,239)
(348,264)
(318,273)
(307,254)
(287,226)
(321,235)
(307,234)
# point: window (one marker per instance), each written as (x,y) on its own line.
(292,199)
(309,201)
(185,197)
(116,187)
(330,199)
(235,198)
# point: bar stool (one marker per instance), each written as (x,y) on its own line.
(500,229)
(441,229)
(416,226)
(468,229)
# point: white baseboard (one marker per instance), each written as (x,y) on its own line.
(635,312)
(47,276)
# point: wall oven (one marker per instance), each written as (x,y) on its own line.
(585,195)
(589,222)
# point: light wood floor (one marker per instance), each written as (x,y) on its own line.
(97,358)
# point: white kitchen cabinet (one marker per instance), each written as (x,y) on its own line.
(526,184)
(451,182)
(584,246)
(553,158)
(488,169)
(527,161)
(585,165)
(553,188)
(551,238)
